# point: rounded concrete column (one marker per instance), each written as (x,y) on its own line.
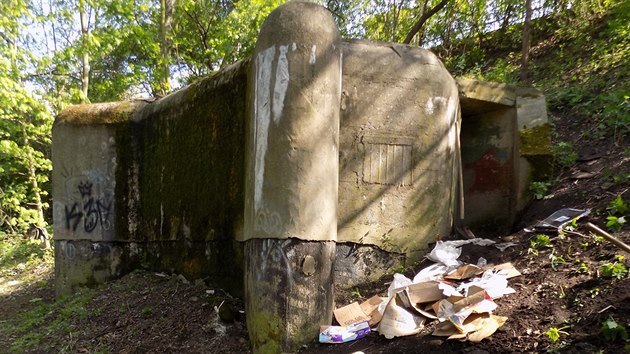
(291,188)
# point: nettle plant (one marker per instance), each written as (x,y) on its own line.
(615,269)
(617,210)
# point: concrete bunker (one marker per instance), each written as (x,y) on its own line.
(182,184)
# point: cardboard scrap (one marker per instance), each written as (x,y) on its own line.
(398,320)
(370,308)
(458,310)
(350,314)
(464,272)
(428,291)
(342,334)
(475,328)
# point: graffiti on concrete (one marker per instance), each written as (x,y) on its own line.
(89,211)
(268,221)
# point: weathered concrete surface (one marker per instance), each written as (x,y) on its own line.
(289,292)
(534,144)
(360,264)
(83,262)
(166,175)
(291,177)
(86,165)
(505,146)
(399,165)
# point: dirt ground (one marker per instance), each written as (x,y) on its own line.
(147,312)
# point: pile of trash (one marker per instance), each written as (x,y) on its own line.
(459,296)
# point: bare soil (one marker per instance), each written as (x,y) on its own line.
(146,312)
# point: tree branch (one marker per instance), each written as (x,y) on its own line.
(421,21)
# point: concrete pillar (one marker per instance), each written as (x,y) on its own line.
(291,177)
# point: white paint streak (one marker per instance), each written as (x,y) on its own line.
(262,113)
(434,104)
(281,85)
(313,56)
(451,117)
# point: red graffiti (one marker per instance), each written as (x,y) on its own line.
(489,173)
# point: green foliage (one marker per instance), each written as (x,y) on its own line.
(538,242)
(613,331)
(14,251)
(614,270)
(615,223)
(25,125)
(564,154)
(593,86)
(597,240)
(556,260)
(583,268)
(593,292)
(553,333)
(617,206)
(539,189)
(210,35)
(32,329)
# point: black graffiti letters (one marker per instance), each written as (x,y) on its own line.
(92,210)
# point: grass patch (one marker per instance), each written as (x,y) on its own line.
(46,325)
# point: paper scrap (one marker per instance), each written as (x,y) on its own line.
(398,320)
(447,252)
(342,334)
(507,269)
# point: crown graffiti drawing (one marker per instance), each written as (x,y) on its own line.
(85,188)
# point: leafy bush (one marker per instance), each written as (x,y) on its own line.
(564,154)
(617,206)
(539,189)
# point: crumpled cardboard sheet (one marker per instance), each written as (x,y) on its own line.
(460,296)
(463,309)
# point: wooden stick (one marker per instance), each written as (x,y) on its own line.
(608,236)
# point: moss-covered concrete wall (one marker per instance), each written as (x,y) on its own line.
(190,175)
(165,176)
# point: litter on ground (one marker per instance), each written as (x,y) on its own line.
(460,297)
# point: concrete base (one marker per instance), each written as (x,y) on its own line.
(86,263)
(360,264)
(288,292)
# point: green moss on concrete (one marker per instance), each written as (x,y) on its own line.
(536,148)
(536,140)
(101,113)
(265,331)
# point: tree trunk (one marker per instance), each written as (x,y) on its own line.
(166,25)
(85,74)
(37,198)
(423,19)
(526,44)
